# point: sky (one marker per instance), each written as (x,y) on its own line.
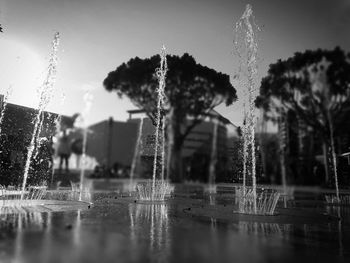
(97,36)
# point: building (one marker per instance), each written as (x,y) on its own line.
(113,144)
(17,128)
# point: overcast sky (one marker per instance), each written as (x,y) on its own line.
(97,36)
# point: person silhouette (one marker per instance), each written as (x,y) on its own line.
(77,149)
(64,150)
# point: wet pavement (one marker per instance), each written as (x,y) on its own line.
(117,229)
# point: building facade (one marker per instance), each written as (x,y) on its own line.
(115,145)
(17,128)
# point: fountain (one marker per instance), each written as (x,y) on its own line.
(163,145)
(161,74)
(46,93)
(246,48)
(4,105)
(158,190)
(38,197)
(334,158)
(252,203)
(262,202)
(337,200)
(10,197)
(88,97)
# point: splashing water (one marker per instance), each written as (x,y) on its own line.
(37,136)
(3,110)
(57,122)
(263,203)
(163,149)
(138,148)
(4,105)
(45,95)
(12,197)
(88,98)
(161,75)
(246,49)
(334,199)
(333,155)
(158,190)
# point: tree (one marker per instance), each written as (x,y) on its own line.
(315,86)
(191,90)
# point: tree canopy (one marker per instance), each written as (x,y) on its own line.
(315,85)
(194,87)
(191,89)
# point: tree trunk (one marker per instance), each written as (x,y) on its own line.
(170,138)
(175,169)
(311,159)
(284,177)
(325,160)
(263,156)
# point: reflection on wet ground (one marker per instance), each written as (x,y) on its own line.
(125,231)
